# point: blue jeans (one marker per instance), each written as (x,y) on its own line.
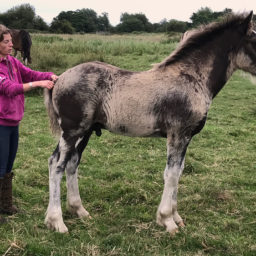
(9,138)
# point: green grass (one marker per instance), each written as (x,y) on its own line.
(121,178)
(134,52)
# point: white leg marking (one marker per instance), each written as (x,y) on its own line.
(176,215)
(74,202)
(165,209)
(54,219)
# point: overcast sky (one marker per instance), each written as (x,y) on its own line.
(155,10)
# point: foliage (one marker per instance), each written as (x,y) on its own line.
(84,20)
(62,27)
(23,17)
(39,24)
(134,22)
(206,15)
(87,21)
(176,26)
(121,178)
(103,22)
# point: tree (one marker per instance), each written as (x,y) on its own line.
(19,17)
(206,15)
(176,26)
(202,16)
(39,24)
(134,22)
(23,17)
(61,27)
(103,22)
(84,20)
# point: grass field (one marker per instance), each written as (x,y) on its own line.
(121,178)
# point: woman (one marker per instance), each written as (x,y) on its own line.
(15,80)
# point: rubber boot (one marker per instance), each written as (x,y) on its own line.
(2,219)
(6,195)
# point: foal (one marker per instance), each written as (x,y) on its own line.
(171,100)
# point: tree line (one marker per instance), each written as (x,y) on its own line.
(87,21)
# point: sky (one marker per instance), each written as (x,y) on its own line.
(155,10)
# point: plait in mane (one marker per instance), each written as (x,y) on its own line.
(202,35)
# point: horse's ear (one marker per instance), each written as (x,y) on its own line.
(246,25)
(250,16)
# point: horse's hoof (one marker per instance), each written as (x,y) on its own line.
(62,229)
(173,232)
(181,224)
(56,225)
(82,213)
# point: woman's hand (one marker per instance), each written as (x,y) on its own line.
(44,84)
(54,78)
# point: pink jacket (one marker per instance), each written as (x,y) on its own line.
(12,76)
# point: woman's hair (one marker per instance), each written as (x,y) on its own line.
(3,31)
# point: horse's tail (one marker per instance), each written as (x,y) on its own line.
(26,44)
(55,127)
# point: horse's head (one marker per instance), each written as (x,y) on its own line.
(246,57)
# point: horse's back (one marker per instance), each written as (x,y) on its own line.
(89,75)
(16,39)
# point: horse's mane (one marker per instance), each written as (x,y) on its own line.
(26,39)
(202,35)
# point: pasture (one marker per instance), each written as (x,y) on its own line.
(121,178)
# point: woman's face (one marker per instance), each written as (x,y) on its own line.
(6,45)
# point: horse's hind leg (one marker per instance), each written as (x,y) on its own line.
(57,164)
(74,202)
(26,57)
(53,218)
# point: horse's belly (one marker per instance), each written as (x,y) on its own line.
(141,126)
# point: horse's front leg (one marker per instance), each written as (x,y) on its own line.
(167,214)
(176,216)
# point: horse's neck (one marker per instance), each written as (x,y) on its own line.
(212,69)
